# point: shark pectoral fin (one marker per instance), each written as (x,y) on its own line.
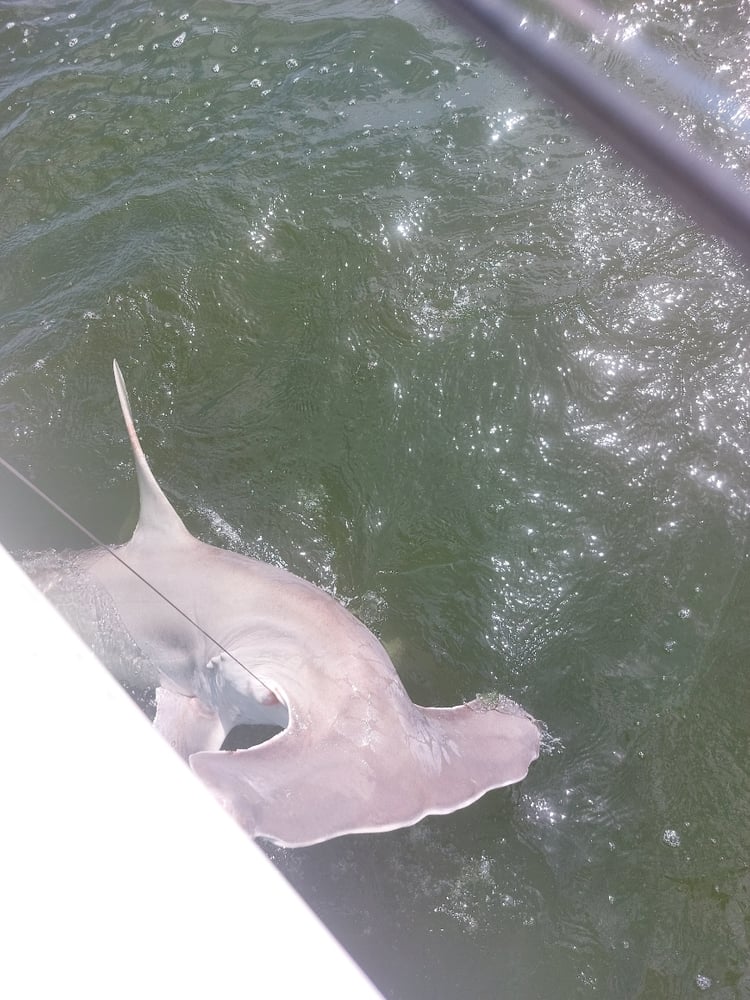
(302,787)
(186,723)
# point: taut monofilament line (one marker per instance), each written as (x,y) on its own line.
(123,562)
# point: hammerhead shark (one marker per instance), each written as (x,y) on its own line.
(236,641)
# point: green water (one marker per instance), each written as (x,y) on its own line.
(392,321)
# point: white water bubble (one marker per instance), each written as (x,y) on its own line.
(671,838)
(703,982)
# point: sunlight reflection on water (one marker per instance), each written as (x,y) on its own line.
(394,323)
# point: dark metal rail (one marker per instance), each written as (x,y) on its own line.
(703,189)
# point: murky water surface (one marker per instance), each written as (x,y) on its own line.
(394,322)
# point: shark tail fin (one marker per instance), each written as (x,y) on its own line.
(156,512)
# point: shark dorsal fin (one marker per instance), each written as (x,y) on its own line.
(157,514)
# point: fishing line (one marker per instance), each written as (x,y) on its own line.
(108,548)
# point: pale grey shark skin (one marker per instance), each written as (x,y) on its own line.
(356,754)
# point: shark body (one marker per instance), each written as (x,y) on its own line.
(234,640)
